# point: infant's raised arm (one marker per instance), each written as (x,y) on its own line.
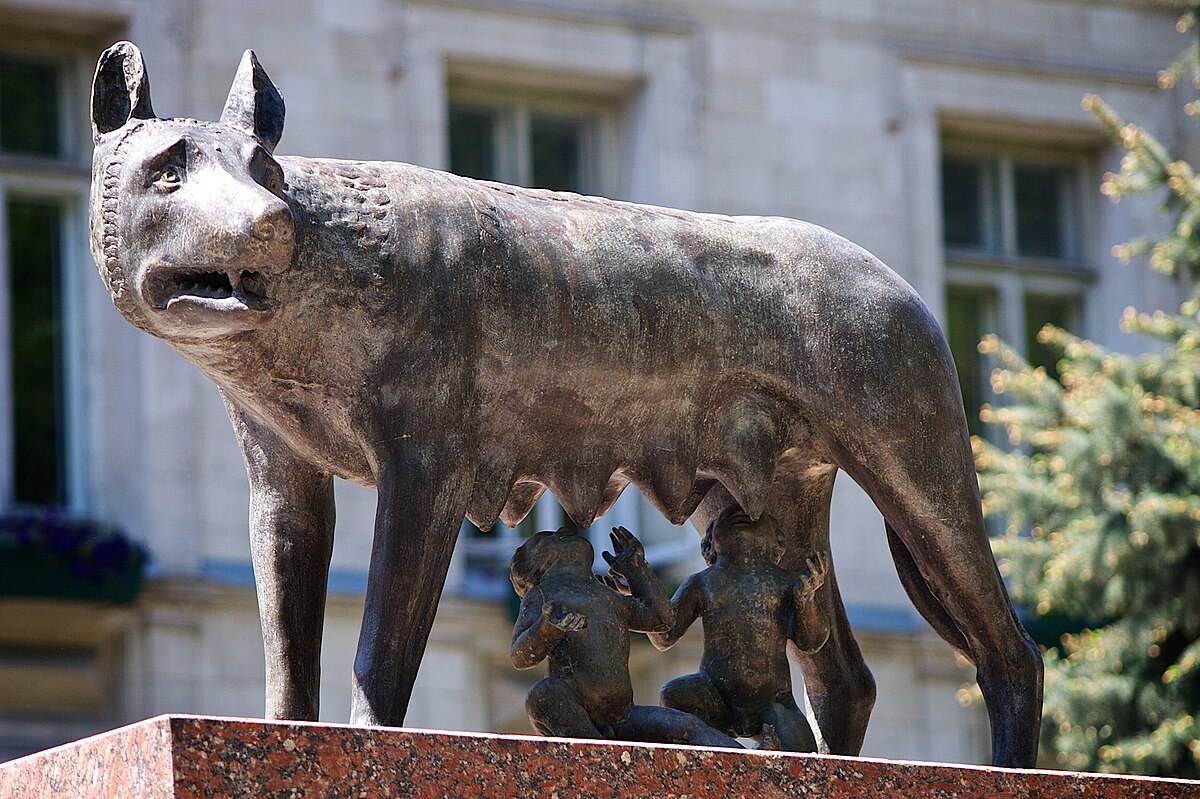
(686,606)
(647,602)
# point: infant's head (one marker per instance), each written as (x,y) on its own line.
(544,551)
(735,533)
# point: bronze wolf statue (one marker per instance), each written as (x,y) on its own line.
(463,346)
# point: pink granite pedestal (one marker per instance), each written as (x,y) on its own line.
(195,757)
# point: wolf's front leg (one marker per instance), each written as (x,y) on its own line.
(423,493)
(291,540)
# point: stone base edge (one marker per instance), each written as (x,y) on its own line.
(195,757)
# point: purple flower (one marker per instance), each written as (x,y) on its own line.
(89,549)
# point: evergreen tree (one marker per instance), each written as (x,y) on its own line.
(1100,494)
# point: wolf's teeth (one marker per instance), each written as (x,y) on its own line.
(241,285)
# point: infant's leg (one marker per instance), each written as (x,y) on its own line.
(695,694)
(666,725)
(554,708)
(791,728)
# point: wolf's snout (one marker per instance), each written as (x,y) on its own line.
(273,223)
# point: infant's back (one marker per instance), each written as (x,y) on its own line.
(746,620)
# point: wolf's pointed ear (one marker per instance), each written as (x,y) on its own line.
(120,90)
(254,104)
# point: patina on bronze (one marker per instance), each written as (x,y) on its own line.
(751,608)
(462,346)
(581,625)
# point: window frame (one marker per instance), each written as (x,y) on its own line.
(1000,273)
(70,195)
(1003,249)
(515,108)
(66,61)
(63,180)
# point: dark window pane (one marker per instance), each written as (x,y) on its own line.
(472,143)
(29,123)
(966,311)
(1039,311)
(488,555)
(964,203)
(1037,191)
(556,153)
(34,234)
(529,525)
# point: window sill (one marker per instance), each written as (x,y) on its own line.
(42,166)
(1072,267)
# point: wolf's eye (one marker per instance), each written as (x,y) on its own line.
(167,170)
(170,177)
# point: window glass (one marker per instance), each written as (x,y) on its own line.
(1005,206)
(472,143)
(966,311)
(1040,311)
(1003,202)
(29,112)
(970,313)
(963,202)
(555,145)
(34,228)
(486,557)
(1037,194)
(522,143)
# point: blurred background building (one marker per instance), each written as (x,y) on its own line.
(944,135)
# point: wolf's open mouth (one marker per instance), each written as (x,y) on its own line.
(231,290)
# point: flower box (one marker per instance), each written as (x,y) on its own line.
(45,553)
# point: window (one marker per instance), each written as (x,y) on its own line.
(42,187)
(513,145)
(544,150)
(1013,228)
(965,326)
(1002,206)
(975,311)
(35,339)
(29,108)
(547,141)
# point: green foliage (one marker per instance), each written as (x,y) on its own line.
(1100,495)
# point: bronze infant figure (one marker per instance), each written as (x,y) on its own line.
(751,608)
(582,625)
(461,346)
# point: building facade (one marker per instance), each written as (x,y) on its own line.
(946,136)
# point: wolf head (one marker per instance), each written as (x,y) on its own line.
(190,223)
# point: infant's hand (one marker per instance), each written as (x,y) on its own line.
(563,618)
(615,583)
(813,576)
(630,555)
